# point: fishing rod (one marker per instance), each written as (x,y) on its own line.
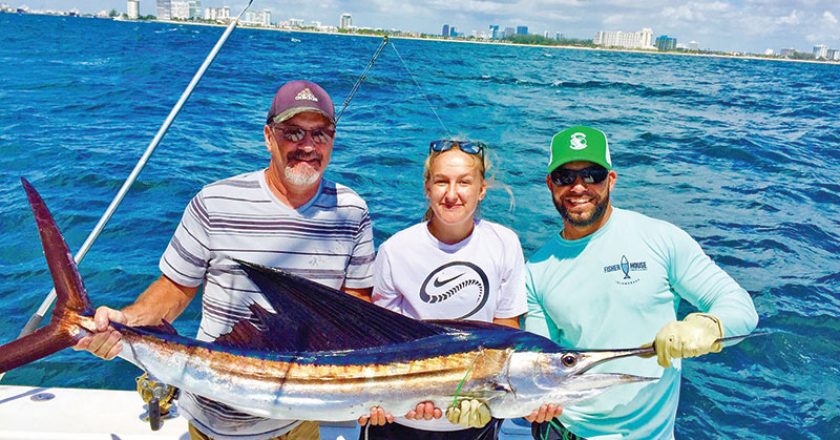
(36,319)
(362,77)
(420,88)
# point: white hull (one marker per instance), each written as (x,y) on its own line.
(78,414)
(82,414)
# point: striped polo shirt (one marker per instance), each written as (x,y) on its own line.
(328,240)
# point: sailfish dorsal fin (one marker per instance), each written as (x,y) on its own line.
(314,317)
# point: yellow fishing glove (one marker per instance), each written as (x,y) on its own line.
(471,413)
(695,335)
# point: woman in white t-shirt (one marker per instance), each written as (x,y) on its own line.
(453,265)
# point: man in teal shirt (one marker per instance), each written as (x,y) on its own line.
(613,278)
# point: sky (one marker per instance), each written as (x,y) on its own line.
(743,25)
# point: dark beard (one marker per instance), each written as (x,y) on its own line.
(597,215)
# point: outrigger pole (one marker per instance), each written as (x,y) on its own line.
(36,319)
(362,77)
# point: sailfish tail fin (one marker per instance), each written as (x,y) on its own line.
(39,344)
(71,306)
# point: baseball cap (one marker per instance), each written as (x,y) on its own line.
(579,143)
(297,97)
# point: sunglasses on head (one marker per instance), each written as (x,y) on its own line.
(565,177)
(293,133)
(468,147)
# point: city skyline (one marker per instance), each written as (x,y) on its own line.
(742,26)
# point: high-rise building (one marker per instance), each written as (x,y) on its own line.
(254,18)
(629,40)
(164,9)
(132,9)
(494,31)
(180,9)
(218,14)
(509,32)
(787,52)
(833,54)
(346,21)
(646,38)
(453,32)
(195,8)
(821,52)
(445,31)
(522,30)
(693,46)
(665,42)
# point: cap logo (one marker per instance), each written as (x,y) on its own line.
(306,95)
(577,141)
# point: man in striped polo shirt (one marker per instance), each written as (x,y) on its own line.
(286,216)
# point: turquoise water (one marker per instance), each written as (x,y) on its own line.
(742,154)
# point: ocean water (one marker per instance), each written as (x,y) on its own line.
(742,154)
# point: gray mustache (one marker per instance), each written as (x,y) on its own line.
(304,156)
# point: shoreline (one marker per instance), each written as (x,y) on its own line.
(503,43)
(497,43)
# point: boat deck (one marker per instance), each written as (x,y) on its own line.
(33,413)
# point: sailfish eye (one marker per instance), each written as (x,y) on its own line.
(569,360)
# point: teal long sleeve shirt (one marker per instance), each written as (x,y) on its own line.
(616,288)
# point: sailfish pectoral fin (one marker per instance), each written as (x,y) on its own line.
(502,387)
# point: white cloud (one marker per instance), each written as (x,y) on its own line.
(681,13)
(614,19)
(792,18)
(695,11)
(713,6)
(829,17)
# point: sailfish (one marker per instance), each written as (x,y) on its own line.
(325,355)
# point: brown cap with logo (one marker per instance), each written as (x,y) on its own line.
(298,97)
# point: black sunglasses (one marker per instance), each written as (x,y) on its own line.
(469,147)
(293,133)
(565,177)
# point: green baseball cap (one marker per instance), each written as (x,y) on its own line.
(579,143)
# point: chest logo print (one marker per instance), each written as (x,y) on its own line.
(439,283)
(459,289)
(627,268)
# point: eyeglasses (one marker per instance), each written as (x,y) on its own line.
(565,177)
(293,133)
(468,147)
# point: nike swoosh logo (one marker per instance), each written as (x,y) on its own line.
(439,283)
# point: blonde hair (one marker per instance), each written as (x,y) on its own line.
(481,161)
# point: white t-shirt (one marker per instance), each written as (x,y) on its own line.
(477,279)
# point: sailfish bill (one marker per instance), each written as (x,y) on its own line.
(324,355)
